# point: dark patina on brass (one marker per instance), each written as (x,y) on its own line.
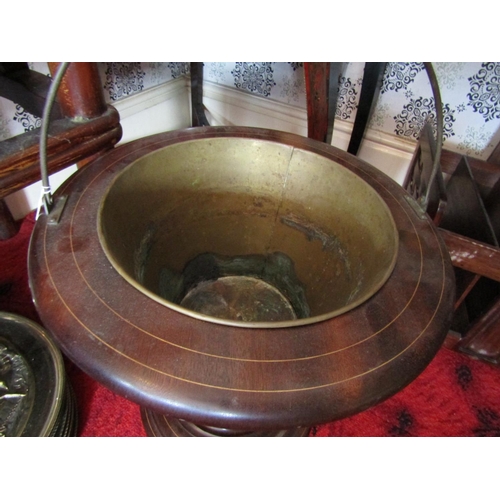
(17,390)
(36,400)
(242,288)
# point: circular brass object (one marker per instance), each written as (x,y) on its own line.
(35,398)
(240,298)
(239,198)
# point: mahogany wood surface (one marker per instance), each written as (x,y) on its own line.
(68,143)
(495,155)
(8,226)
(470,226)
(89,128)
(370,90)
(226,376)
(26,87)
(198,117)
(486,174)
(472,255)
(317,84)
(483,338)
(465,212)
(465,283)
(418,181)
(80,92)
(159,425)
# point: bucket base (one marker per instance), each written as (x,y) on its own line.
(158,425)
(239,298)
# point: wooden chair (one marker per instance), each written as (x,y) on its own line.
(470,230)
(82,126)
(418,179)
(466,208)
(322,89)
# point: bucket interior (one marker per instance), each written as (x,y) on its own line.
(247,232)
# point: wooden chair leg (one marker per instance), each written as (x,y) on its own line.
(317,84)
(483,339)
(322,88)
(372,82)
(198,117)
(8,226)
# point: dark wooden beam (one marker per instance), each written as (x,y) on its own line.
(495,155)
(370,89)
(472,255)
(317,85)
(26,88)
(198,117)
(80,92)
(68,143)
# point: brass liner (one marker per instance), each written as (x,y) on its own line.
(233,196)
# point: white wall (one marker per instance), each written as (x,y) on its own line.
(159,109)
(226,106)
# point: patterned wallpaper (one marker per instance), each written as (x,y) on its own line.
(470,95)
(121,80)
(14,120)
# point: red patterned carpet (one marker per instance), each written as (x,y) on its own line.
(454,396)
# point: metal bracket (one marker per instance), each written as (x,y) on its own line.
(416,206)
(57,210)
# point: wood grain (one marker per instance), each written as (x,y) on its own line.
(227,376)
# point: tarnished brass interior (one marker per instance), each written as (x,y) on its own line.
(246,200)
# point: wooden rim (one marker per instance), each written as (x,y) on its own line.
(225,376)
